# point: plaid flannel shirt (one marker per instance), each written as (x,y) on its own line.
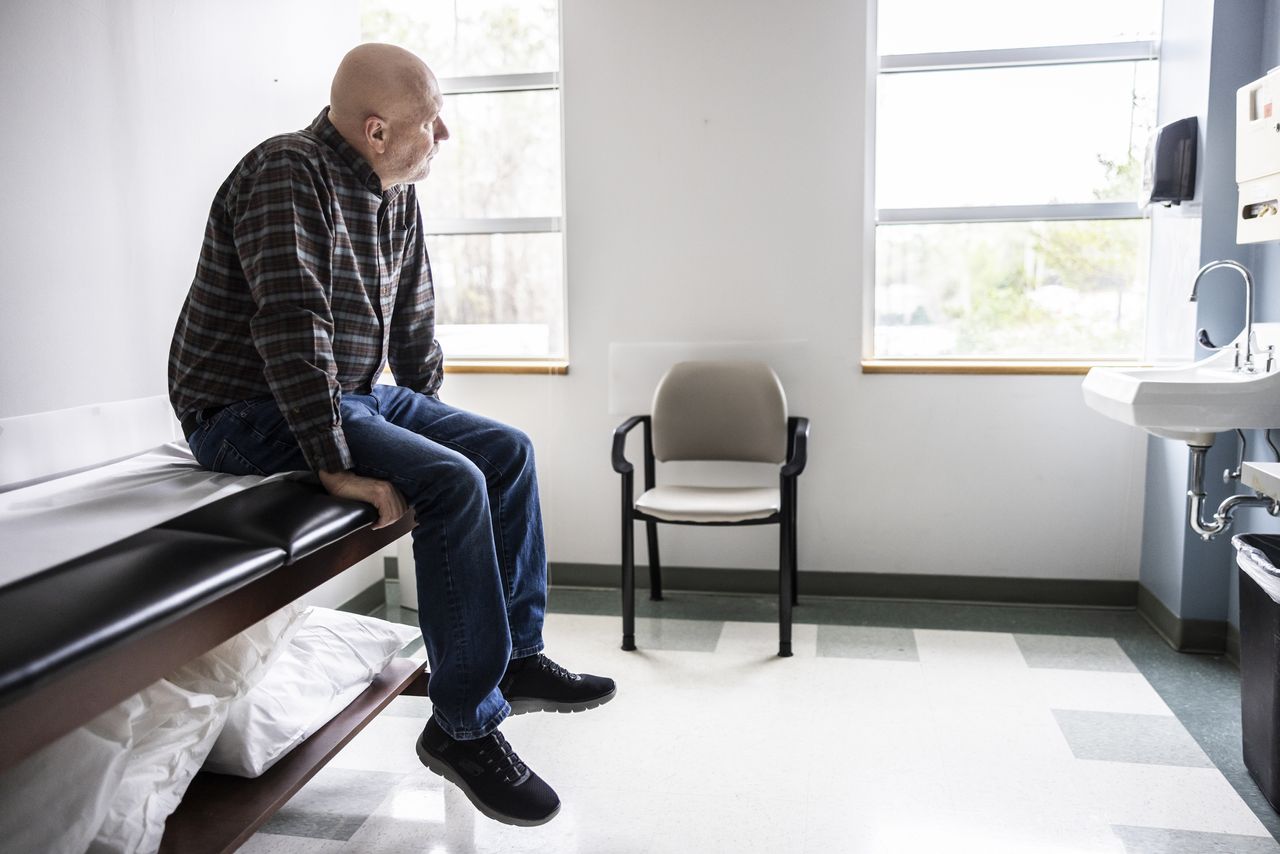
(310,279)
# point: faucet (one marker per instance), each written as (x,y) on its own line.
(1203,336)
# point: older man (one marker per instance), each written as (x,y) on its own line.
(313,274)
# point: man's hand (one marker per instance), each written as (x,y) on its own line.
(384,497)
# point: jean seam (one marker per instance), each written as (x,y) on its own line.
(495,720)
(499,533)
(526,651)
(454,620)
(226,449)
(500,540)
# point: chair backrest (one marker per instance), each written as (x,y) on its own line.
(720,411)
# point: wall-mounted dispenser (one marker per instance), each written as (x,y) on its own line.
(1258,159)
(1169,171)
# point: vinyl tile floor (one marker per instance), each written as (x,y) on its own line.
(896,727)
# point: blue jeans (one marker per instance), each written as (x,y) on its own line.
(477,545)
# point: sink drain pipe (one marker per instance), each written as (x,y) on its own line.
(1222,517)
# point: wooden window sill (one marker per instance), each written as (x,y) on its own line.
(1046,367)
(550,367)
(545,367)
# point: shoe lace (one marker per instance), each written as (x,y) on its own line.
(556,670)
(498,756)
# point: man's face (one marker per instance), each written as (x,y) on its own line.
(415,140)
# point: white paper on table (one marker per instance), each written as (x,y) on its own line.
(48,523)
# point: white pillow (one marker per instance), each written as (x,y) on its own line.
(332,658)
(54,800)
(172,738)
(181,718)
(233,667)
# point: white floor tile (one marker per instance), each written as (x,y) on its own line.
(386,744)
(424,814)
(268,843)
(1095,691)
(737,750)
(710,823)
(969,650)
(760,640)
(1166,796)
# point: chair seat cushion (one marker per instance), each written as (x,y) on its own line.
(710,503)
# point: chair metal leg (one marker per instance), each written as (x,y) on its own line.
(795,567)
(785,591)
(655,566)
(628,571)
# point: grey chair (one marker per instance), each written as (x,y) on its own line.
(713,410)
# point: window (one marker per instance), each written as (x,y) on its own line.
(1009,147)
(492,204)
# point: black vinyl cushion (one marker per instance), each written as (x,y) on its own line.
(63,615)
(297,516)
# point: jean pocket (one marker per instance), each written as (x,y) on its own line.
(230,461)
(266,421)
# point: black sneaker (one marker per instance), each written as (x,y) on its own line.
(538,684)
(491,775)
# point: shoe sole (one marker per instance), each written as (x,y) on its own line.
(525,705)
(438,766)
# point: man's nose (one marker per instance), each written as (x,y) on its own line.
(442,132)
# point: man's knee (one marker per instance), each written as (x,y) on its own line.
(459,479)
(519,446)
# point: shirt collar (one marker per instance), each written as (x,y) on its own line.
(360,167)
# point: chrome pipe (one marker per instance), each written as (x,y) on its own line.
(1222,516)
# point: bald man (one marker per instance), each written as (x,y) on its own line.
(313,275)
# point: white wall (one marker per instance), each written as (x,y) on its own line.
(714,172)
(121,119)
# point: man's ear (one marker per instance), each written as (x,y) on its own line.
(375,134)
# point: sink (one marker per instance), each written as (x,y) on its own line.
(1194,401)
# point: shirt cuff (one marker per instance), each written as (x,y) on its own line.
(327,450)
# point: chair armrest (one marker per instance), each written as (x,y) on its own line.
(797,446)
(620,464)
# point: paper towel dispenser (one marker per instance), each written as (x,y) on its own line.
(1258,159)
(1169,172)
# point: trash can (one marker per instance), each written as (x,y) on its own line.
(1258,559)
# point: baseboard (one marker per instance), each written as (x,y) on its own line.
(1202,636)
(367,600)
(1184,635)
(869,585)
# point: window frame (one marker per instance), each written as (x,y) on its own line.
(1050,55)
(498,84)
